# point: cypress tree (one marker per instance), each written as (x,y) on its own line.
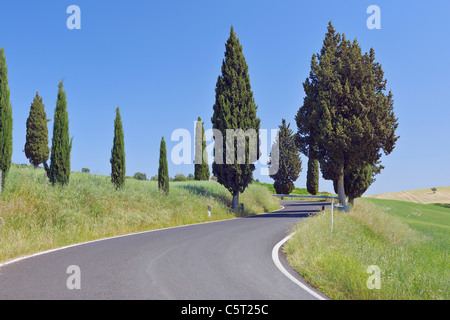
(36,145)
(163,170)
(289,162)
(312,176)
(59,171)
(357,182)
(234,115)
(201,167)
(347,113)
(6,121)
(117,159)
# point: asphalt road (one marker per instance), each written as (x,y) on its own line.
(229,259)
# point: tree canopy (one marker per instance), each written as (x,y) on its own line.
(235,118)
(289,162)
(346,112)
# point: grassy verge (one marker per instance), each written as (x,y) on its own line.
(36,216)
(409,242)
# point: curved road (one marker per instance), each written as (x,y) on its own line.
(229,259)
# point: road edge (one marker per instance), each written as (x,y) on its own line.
(8,262)
(276,260)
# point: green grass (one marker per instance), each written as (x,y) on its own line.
(36,216)
(443,205)
(409,242)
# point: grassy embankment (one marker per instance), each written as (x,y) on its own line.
(36,216)
(409,242)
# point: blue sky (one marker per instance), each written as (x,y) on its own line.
(159,62)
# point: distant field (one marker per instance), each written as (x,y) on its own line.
(425,196)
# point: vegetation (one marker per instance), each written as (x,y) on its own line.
(180,177)
(59,171)
(36,145)
(289,164)
(201,166)
(358,181)
(140,176)
(163,170)
(235,109)
(118,154)
(409,243)
(346,112)
(312,176)
(443,205)
(6,121)
(36,216)
(296,191)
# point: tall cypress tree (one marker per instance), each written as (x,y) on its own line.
(6,121)
(163,170)
(347,113)
(36,145)
(201,167)
(235,109)
(118,154)
(289,162)
(59,171)
(312,176)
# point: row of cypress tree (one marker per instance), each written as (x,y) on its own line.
(36,145)
(347,120)
(344,124)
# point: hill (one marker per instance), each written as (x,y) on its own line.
(36,216)
(424,196)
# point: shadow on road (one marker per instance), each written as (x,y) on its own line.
(285,214)
(294,209)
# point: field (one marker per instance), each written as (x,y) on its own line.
(409,242)
(36,216)
(425,196)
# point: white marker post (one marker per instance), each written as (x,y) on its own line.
(332,205)
(323,210)
(209,212)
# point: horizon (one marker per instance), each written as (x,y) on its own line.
(159,63)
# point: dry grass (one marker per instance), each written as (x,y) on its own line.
(36,216)
(424,196)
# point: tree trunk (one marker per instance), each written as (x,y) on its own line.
(340,186)
(236,202)
(351,201)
